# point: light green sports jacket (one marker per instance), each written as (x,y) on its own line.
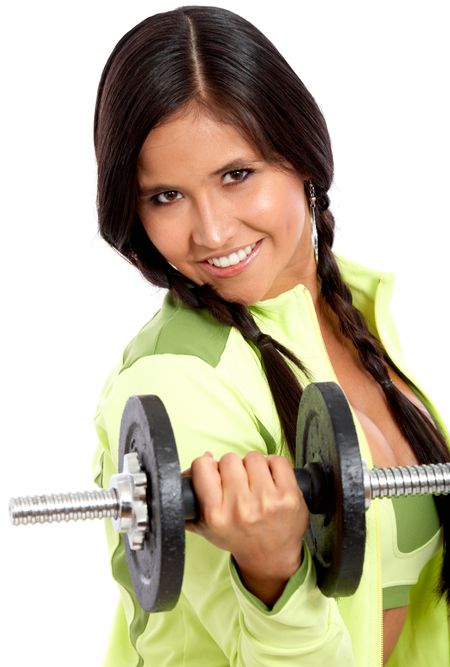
(217,397)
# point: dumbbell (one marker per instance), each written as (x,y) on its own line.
(149,500)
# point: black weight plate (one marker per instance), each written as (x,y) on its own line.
(336,538)
(156,570)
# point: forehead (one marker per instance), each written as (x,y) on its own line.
(192,139)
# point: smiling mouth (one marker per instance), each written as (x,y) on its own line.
(218,266)
(233,258)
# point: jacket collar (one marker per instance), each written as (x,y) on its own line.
(371,290)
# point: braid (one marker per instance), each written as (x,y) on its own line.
(339,297)
(284,386)
(426,440)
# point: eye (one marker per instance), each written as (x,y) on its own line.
(157,202)
(240,171)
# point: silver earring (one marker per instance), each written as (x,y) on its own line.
(312,205)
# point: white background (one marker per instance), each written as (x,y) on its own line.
(69,304)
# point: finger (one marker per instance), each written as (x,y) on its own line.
(258,472)
(206,481)
(234,475)
(282,472)
(188,471)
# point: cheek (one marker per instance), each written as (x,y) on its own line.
(165,237)
(261,204)
(279,210)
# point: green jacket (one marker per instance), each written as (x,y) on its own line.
(217,397)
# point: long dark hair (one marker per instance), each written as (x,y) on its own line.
(218,61)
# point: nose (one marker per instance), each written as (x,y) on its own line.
(213,226)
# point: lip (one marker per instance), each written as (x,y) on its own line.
(229,271)
(225,254)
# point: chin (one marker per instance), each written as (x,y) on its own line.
(245,298)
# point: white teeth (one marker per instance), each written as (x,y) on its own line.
(234,258)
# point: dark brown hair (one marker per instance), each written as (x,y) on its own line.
(211,59)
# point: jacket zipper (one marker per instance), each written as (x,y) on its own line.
(377,541)
(380,593)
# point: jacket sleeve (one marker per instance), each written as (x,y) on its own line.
(208,413)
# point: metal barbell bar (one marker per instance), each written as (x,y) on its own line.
(389,482)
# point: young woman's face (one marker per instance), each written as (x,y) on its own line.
(243,227)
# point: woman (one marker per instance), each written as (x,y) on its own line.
(214,164)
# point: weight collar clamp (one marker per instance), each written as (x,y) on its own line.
(130,487)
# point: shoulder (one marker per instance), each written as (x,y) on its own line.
(175,356)
(208,378)
(179,330)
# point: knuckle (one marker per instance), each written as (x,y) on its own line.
(278,460)
(291,501)
(253,456)
(249,514)
(213,517)
(269,508)
(203,461)
(229,457)
(274,505)
(283,503)
(198,461)
(230,461)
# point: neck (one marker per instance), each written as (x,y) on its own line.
(311,281)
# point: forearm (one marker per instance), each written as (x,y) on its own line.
(269,584)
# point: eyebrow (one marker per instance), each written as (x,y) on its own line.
(234,164)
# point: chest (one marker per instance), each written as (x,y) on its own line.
(387,444)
